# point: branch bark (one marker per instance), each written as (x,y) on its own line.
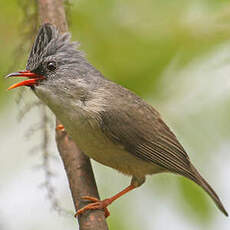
(77,165)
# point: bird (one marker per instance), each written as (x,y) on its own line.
(110,123)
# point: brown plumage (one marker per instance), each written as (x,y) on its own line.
(144,134)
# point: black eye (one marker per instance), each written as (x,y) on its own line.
(51,65)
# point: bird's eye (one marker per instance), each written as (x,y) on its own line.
(51,65)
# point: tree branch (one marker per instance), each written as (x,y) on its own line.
(77,165)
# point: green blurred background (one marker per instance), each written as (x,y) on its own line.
(176,55)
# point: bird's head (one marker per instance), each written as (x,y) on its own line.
(54,61)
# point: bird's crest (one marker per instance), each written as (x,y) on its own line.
(47,43)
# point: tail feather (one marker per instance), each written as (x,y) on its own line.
(204,184)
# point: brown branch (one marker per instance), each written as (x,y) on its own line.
(77,165)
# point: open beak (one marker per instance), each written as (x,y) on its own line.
(33,78)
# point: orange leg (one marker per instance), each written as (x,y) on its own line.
(60,127)
(102,204)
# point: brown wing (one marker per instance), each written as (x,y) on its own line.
(143,133)
(139,128)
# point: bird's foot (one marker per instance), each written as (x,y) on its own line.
(96,204)
(102,204)
(60,127)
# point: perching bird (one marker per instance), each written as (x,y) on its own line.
(108,122)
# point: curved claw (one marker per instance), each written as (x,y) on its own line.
(90,198)
(97,204)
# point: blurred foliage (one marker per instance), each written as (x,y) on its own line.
(18,23)
(131,42)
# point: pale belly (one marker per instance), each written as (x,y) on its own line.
(85,130)
(94,143)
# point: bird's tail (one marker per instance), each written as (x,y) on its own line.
(204,184)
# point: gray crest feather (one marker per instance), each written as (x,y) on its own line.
(49,42)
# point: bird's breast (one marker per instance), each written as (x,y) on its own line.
(86,132)
(82,123)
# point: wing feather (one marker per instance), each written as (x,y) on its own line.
(131,122)
(147,137)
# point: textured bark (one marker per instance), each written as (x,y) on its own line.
(77,165)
